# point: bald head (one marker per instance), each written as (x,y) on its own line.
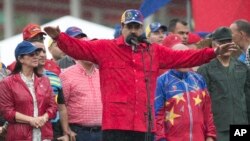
(241,33)
(243,25)
(181,47)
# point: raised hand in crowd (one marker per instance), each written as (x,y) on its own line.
(224,48)
(53,32)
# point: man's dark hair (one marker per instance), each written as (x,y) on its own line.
(173,22)
(243,25)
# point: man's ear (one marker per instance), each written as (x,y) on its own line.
(243,33)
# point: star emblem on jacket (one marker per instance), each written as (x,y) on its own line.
(171,116)
(197,100)
(179,97)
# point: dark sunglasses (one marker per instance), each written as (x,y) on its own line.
(35,53)
(41,50)
(38,38)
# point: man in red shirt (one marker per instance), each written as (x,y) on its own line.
(128,74)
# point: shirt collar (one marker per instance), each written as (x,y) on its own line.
(25,78)
(82,69)
(120,41)
(180,75)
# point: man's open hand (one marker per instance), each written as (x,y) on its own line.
(53,32)
(224,48)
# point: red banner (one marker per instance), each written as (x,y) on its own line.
(210,14)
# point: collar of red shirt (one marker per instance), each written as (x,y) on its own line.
(82,69)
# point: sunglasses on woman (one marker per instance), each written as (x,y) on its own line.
(33,54)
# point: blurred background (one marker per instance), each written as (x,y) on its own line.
(17,13)
(97,18)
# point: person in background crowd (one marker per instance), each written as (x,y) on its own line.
(182,102)
(228,83)
(124,67)
(33,33)
(56,52)
(67,61)
(86,121)
(117,29)
(3,71)
(3,123)
(241,36)
(156,32)
(26,98)
(180,28)
(63,128)
(169,41)
(193,39)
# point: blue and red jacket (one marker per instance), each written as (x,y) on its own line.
(183,108)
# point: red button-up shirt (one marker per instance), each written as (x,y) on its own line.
(123,72)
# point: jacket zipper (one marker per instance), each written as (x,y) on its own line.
(190,112)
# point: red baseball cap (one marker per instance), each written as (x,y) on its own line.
(171,40)
(31,30)
(193,38)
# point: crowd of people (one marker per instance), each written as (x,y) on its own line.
(163,83)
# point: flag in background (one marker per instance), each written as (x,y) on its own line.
(209,15)
(149,7)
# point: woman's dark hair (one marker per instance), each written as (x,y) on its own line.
(18,67)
